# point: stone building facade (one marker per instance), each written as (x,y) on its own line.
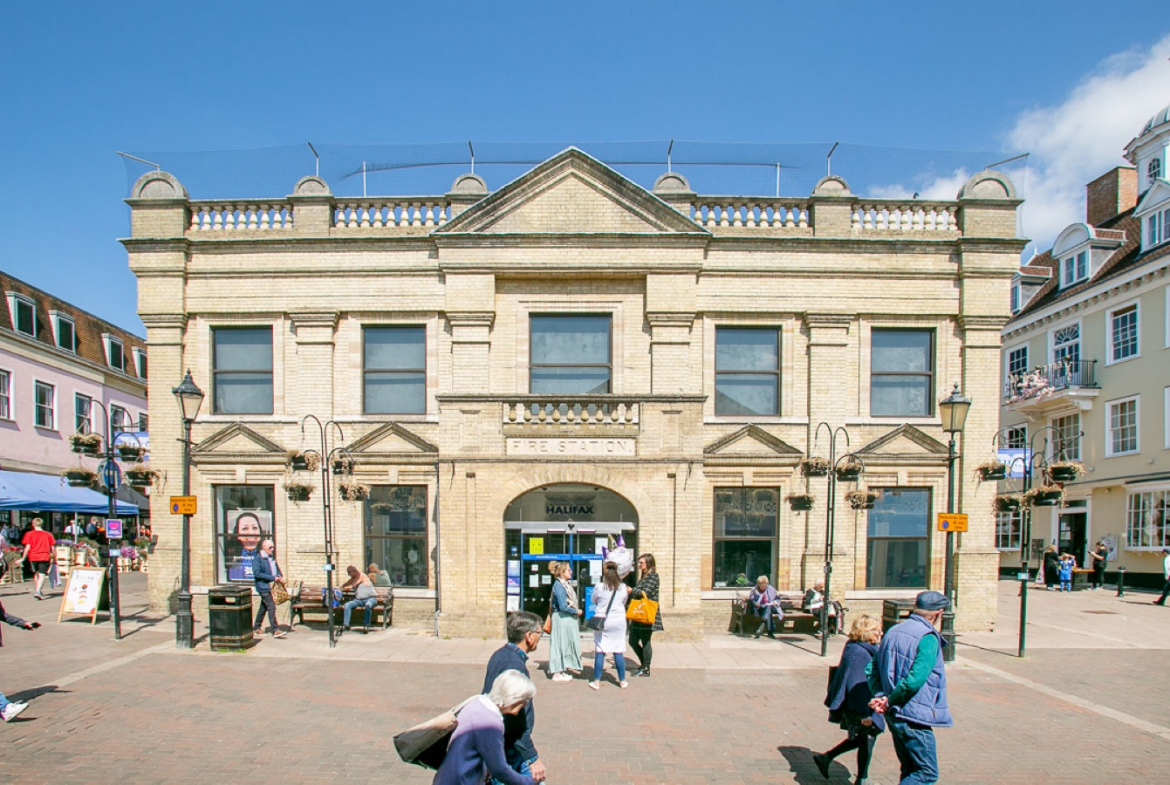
(524,374)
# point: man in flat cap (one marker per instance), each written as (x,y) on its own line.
(910,687)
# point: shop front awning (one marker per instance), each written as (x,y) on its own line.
(45,493)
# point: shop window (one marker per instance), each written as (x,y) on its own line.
(1145,521)
(897,539)
(242,370)
(570,355)
(396,533)
(746,524)
(244,517)
(747,371)
(902,373)
(395,368)
(44,405)
(1008,526)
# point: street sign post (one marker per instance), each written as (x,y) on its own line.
(113,528)
(952,522)
(111,475)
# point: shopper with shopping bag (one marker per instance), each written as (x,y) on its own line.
(644,613)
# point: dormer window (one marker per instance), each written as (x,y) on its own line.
(115,357)
(1154,169)
(140,362)
(1157,228)
(64,332)
(1015,298)
(1074,269)
(24,314)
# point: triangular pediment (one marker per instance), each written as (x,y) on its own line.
(571,193)
(235,441)
(904,444)
(392,439)
(751,441)
(1157,194)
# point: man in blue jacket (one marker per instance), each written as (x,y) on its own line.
(910,687)
(265,571)
(524,631)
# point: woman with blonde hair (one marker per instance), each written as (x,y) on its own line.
(849,697)
(564,652)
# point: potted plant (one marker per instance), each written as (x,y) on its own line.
(86,443)
(303,461)
(992,470)
(850,471)
(814,466)
(131,453)
(343,466)
(1044,496)
(80,477)
(799,502)
(1008,502)
(862,498)
(353,491)
(141,475)
(1065,471)
(298,491)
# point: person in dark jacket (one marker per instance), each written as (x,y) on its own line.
(524,631)
(1051,568)
(1100,558)
(849,697)
(265,571)
(10,710)
(640,633)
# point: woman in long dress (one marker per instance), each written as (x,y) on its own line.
(609,599)
(565,644)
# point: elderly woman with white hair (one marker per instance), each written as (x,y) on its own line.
(477,745)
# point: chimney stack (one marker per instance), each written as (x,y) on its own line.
(1110,194)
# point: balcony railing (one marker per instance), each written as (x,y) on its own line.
(1050,379)
(571,410)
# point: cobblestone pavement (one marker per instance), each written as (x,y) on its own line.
(1086,705)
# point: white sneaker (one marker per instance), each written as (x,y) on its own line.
(562,677)
(12,711)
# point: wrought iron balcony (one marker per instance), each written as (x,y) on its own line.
(1050,380)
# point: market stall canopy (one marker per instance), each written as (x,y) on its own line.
(44,493)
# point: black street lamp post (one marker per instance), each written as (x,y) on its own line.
(326,456)
(190,398)
(953,411)
(830,519)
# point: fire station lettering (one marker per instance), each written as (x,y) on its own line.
(569,447)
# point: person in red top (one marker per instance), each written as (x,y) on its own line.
(38,550)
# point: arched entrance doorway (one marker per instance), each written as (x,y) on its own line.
(564,522)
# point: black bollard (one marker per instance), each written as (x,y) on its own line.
(1120,581)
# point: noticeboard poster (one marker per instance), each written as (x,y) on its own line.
(83,592)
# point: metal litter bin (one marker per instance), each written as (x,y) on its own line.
(894,611)
(229,610)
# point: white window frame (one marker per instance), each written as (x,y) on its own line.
(1007,439)
(13,299)
(125,420)
(1015,303)
(1166,418)
(1058,439)
(54,421)
(1154,494)
(1068,268)
(6,411)
(56,318)
(1052,339)
(1137,426)
(1018,515)
(108,342)
(1153,170)
(88,413)
(1110,349)
(1156,228)
(139,361)
(1166,313)
(1007,360)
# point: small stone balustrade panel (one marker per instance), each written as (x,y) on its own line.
(571,412)
(903,217)
(392,214)
(237,216)
(749,214)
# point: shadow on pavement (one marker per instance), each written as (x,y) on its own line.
(804,771)
(36,692)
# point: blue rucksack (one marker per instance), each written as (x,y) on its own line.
(336,597)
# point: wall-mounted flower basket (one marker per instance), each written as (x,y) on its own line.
(298,492)
(814,467)
(1065,471)
(1008,502)
(992,471)
(342,466)
(353,491)
(303,461)
(800,502)
(863,499)
(850,471)
(80,477)
(130,453)
(85,443)
(141,476)
(1044,496)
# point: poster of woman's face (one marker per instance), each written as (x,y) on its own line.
(246,528)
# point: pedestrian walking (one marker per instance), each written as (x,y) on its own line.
(476,748)
(265,572)
(641,633)
(1067,565)
(1100,557)
(1051,568)
(364,596)
(564,646)
(909,683)
(524,630)
(849,696)
(610,598)
(764,603)
(10,710)
(38,549)
(1165,576)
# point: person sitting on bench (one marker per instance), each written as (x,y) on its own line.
(814,600)
(363,594)
(765,603)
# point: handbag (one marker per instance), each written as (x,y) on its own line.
(54,576)
(597,623)
(643,611)
(426,743)
(279,593)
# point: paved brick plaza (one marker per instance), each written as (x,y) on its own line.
(1087,705)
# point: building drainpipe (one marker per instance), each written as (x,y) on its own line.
(438,551)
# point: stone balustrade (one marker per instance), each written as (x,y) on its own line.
(392,213)
(716,212)
(235,216)
(575,410)
(905,217)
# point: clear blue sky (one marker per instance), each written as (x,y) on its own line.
(82,80)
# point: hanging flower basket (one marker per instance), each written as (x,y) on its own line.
(298,492)
(1065,471)
(353,491)
(724,497)
(814,467)
(1044,496)
(131,453)
(141,476)
(733,519)
(993,470)
(1008,502)
(382,508)
(850,471)
(80,477)
(342,466)
(863,499)
(86,443)
(303,461)
(800,502)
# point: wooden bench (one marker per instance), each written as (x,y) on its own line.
(795,621)
(303,598)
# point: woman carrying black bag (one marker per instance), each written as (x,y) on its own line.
(640,633)
(849,697)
